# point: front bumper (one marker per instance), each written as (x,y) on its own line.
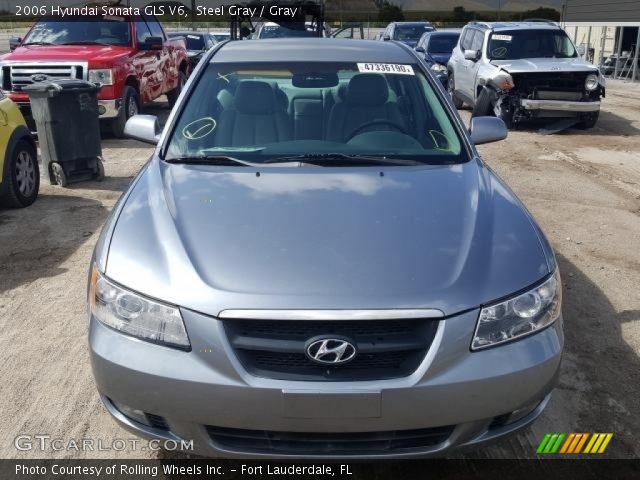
(560,105)
(207,389)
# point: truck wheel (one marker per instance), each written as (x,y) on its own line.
(588,120)
(173,95)
(57,172)
(451,88)
(23,176)
(484,104)
(130,107)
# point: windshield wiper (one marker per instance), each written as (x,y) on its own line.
(332,159)
(38,43)
(211,160)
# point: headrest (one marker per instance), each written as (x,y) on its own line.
(255,97)
(368,89)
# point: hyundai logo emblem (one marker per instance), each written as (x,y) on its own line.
(330,351)
(39,77)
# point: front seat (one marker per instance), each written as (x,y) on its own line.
(256,117)
(366,99)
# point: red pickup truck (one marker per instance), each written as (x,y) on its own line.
(130,56)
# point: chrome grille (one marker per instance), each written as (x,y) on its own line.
(17,76)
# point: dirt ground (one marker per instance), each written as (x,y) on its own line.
(583,188)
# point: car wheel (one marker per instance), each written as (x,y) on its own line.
(58,174)
(130,107)
(588,120)
(451,88)
(99,175)
(173,95)
(23,175)
(484,103)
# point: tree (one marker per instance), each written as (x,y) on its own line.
(460,14)
(390,13)
(542,12)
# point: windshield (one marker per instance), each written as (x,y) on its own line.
(194,42)
(279,31)
(410,32)
(259,112)
(443,43)
(99,30)
(516,44)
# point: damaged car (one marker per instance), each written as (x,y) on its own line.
(522,71)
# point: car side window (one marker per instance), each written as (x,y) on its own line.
(465,43)
(142,30)
(478,38)
(154,27)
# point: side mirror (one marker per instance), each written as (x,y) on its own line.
(144,128)
(386,38)
(419,49)
(487,130)
(471,55)
(152,43)
(14,42)
(581,50)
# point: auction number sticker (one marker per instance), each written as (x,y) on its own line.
(504,38)
(385,68)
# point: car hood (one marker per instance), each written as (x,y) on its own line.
(66,52)
(441,58)
(545,65)
(214,238)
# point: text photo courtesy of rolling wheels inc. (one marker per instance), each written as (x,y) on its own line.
(361,239)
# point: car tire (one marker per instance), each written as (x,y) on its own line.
(588,120)
(130,107)
(173,95)
(58,174)
(451,88)
(99,175)
(23,175)
(484,104)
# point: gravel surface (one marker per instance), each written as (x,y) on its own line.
(583,188)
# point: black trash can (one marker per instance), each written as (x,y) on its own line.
(67,120)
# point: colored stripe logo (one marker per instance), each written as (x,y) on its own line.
(573,443)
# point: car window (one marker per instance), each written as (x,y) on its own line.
(410,32)
(530,43)
(478,39)
(111,30)
(154,27)
(465,43)
(442,43)
(142,30)
(249,111)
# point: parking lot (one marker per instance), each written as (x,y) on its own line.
(582,186)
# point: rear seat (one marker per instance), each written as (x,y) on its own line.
(309,110)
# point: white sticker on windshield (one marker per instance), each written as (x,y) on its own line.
(385,68)
(504,38)
(195,37)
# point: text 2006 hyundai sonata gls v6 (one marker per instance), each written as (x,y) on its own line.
(316,263)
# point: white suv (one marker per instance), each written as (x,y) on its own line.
(524,70)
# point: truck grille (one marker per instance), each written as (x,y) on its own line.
(569,83)
(16,77)
(310,444)
(385,348)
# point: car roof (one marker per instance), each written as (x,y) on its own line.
(316,49)
(412,23)
(538,25)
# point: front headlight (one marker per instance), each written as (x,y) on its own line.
(591,82)
(135,315)
(439,68)
(519,316)
(101,76)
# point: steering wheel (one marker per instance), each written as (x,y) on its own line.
(364,126)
